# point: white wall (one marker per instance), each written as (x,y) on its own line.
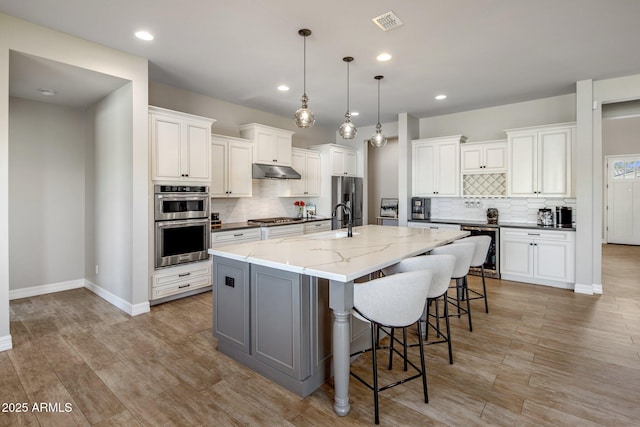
(383,176)
(46,194)
(489,123)
(230,116)
(621,136)
(22,36)
(113,196)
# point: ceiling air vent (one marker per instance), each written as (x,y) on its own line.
(387,21)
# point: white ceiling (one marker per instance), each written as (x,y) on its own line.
(481,53)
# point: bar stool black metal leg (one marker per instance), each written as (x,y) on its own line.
(466,288)
(446,321)
(484,291)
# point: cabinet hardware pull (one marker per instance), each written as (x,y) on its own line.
(184,286)
(238,235)
(533,234)
(184,274)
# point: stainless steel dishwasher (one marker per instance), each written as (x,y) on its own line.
(492,263)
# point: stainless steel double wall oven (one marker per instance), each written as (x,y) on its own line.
(182,227)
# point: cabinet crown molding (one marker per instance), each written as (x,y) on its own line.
(179,114)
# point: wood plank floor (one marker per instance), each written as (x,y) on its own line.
(542,356)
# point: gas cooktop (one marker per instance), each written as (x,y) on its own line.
(274,220)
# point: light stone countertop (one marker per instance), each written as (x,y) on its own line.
(343,259)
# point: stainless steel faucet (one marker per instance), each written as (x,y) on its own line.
(347,211)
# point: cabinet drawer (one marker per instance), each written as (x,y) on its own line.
(181,286)
(182,274)
(314,227)
(536,234)
(237,236)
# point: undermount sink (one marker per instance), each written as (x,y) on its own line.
(334,235)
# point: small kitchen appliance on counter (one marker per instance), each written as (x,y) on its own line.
(420,208)
(564,216)
(545,217)
(215,220)
(492,216)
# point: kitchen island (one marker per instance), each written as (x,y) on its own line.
(271,300)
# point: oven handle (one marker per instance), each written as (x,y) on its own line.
(181,197)
(182,223)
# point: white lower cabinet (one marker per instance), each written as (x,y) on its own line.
(282,231)
(231,237)
(538,256)
(175,280)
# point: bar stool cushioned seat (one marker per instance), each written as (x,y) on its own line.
(480,253)
(441,267)
(393,302)
(463,253)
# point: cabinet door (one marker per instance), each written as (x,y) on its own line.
(522,165)
(554,162)
(424,156)
(218,186)
(239,169)
(495,157)
(166,134)
(298,187)
(516,257)
(312,174)
(471,159)
(282,145)
(265,147)
(553,261)
(195,152)
(350,163)
(337,162)
(447,170)
(231,313)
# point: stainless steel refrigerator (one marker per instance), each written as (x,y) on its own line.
(348,190)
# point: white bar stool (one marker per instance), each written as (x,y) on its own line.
(479,257)
(463,253)
(392,302)
(441,266)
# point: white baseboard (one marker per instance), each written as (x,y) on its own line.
(597,289)
(46,289)
(585,289)
(6,343)
(130,309)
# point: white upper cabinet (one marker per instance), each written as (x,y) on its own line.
(180,145)
(272,145)
(540,161)
(307,164)
(483,157)
(231,160)
(338,160)
(436,166)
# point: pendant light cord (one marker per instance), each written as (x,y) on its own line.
(304,66)
(347,86)
(378,101)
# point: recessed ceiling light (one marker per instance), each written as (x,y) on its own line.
(355,113)
(47,92)
(383,57)
(144,35)
(441,97)
(283,88)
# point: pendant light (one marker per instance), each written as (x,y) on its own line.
(304,117)
(347,129)
(378,140)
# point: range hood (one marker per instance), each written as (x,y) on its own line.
(262,171)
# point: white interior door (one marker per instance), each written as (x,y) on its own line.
(623,199)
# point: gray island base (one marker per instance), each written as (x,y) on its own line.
(282,307)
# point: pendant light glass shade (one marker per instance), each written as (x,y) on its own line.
(378,140)
(347,129)
(304,117)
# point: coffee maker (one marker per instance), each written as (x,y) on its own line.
(420,208)
(564,216)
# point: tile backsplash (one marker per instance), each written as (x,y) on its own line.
(269,200)
(509,209)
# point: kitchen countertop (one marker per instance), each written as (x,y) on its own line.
(500,224)
(240,225)
(329,256)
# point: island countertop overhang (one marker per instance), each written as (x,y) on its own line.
(343,259)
